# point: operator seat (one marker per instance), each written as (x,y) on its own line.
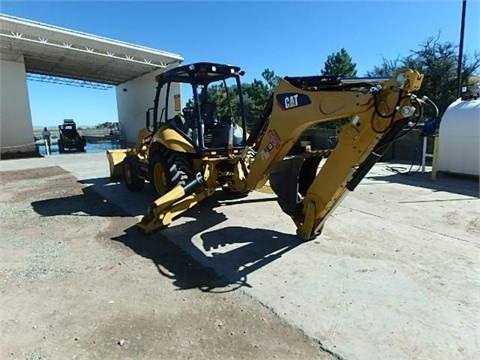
(180,123)
(215,136)
(209,112)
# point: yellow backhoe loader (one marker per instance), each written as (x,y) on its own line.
(205,146)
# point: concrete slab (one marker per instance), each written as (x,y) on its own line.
(395,275)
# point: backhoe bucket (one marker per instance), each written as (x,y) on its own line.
(115,160)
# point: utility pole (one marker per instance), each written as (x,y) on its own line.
(460,51)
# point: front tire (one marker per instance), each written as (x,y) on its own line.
(131,173)
(159,174)
(168,169)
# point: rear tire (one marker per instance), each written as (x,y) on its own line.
(131,173)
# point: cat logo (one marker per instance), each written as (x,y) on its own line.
(287,101)
(291,101)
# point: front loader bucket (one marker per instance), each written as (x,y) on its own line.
(115,160)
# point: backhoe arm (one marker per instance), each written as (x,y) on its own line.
(377,111)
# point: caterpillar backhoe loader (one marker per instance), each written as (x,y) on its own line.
(205,146)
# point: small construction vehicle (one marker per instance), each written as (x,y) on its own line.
(187,154)
(69,138)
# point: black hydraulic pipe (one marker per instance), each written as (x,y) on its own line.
(376,154)
(261,122)
(194,184)
(363,170)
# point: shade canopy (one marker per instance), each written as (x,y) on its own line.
(48,50)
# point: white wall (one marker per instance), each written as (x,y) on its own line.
(134,97)
(16,130)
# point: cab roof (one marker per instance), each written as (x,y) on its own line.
(203,73)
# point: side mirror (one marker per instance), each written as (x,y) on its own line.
(147,118)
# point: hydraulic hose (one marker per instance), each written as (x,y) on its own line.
(376,154)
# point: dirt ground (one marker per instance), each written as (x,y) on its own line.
(72,287)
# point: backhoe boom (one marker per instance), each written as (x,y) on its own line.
(376,113)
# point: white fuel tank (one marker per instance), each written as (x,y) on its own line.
(459,135)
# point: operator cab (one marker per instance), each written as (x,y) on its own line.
(213,117)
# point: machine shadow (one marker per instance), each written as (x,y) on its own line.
(468,186)
(219,260)
(195,252)
(87,203)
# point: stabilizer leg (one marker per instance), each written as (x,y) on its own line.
(161,212)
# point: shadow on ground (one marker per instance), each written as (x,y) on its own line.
(221,262)
(88,203)
(228,255)
(462,185)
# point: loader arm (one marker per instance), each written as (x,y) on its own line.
(378,111)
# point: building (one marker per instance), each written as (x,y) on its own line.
(40,51)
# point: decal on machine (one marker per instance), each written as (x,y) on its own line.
(274,138)
(287,101)
(274,143)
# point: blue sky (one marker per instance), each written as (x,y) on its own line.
(288,37)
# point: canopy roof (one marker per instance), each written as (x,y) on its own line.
(203,72)
(53,51)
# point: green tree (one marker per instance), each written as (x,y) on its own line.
(189,103)
(438,62)
(340,64)
(271,79)
(218,94)
(387,68)
(256,95)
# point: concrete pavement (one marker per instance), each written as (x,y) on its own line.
(395,274)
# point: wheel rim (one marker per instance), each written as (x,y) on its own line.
(159,179)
